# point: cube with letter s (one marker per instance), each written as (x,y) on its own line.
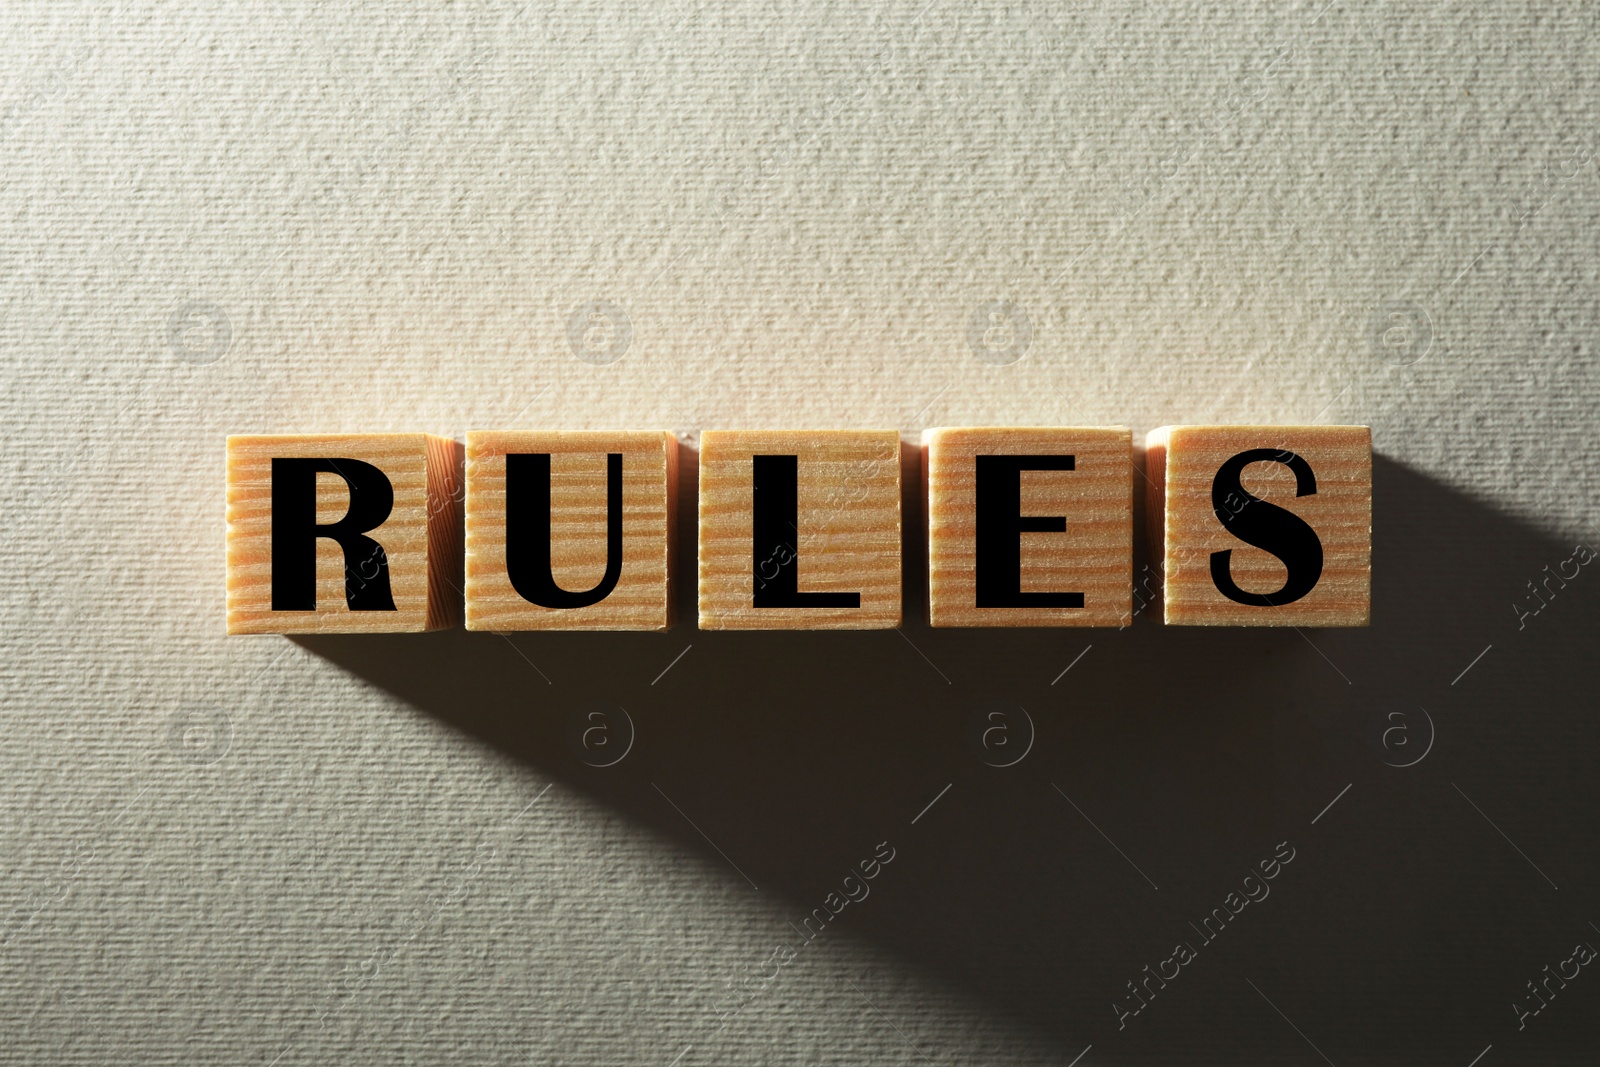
(1262,525)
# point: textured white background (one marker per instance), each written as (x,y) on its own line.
(381,216)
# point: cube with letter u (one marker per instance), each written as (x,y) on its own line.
(570,530)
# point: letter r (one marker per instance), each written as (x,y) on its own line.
(295,531)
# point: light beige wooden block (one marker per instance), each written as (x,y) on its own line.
(799,530)
(1029,526)
(578,560)
(343,533)
(1263,525)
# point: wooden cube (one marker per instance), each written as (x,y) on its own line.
(1263,525)
(343,533)
(570,531)
(799,530)
(1029,526)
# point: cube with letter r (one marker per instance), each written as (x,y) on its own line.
(343,533)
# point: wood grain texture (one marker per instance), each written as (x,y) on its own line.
(421,538)
(446,536)
(1181,463)
(1094,555)
(578,550)
(847,530)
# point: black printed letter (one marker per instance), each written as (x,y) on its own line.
(1000,525)
(295,531)
(528,532)
(775,511)
(1266,526)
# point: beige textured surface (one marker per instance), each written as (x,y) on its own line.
(578,516)
(1092,556)
(421,537)
(1184,461)
(321,217)
(847,537)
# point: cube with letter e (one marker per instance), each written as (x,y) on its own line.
(1029,526)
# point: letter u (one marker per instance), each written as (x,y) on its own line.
(528,532)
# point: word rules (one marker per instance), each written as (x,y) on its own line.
(1030,526)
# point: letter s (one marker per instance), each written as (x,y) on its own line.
(1268,527)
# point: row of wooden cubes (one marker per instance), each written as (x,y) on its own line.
(1250,526)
